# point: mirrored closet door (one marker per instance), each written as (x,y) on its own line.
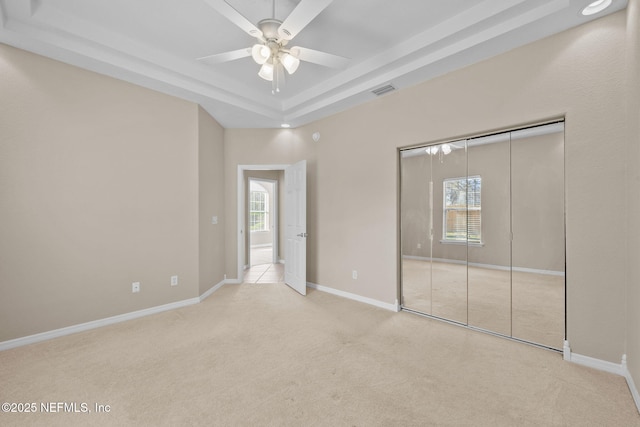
(482,233)
(489,267)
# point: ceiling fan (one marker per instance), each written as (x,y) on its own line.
(273,36)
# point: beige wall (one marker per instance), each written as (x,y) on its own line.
(99,187)
(633,195)
(211,201)
(579,74)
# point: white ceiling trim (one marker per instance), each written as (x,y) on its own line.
(451,26)
(104,44)
(81,51)
(449,50)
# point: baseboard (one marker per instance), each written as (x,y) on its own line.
(355,297)
(591,362)
(57,333)
(602,365)
(214,288)
(630,382)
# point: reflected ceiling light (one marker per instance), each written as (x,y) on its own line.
(440,150)
(595,7)
(435,149)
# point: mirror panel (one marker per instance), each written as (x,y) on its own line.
(490,233)
(538,254)
(449,254)
(416,217)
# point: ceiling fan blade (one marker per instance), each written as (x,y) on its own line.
(226,10)
(226,56)
(320,58)
(300,17)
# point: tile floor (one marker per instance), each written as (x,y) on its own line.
(265,273)
(261,255)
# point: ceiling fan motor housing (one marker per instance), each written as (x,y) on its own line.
(269,28)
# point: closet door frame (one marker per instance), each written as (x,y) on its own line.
(401,278)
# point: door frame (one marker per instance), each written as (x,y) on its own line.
(241,206)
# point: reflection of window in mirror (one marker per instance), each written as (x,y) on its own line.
(462,210)
(259,211)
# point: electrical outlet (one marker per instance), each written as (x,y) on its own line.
(174,280)
(354,274)
(135,287)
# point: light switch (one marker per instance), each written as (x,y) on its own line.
(214,220)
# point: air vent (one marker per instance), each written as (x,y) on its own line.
(383,89)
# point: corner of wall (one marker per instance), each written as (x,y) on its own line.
(211,203)
(602,365)
(632,365)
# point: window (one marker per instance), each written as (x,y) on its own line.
(462,210)
(258,211)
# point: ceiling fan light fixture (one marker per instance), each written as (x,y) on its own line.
(266,71)
(290,62)
(260,53)
(273,35)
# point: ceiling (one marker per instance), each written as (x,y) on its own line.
(155,43)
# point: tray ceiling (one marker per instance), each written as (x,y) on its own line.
(155,43)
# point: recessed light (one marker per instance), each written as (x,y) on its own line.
(596,7)
(285,125)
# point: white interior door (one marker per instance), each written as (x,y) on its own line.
(295,267)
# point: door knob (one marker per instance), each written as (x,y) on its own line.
(302,235)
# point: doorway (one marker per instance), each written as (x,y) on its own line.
(289,230)
(262,214)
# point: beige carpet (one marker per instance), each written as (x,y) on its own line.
(262,355)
